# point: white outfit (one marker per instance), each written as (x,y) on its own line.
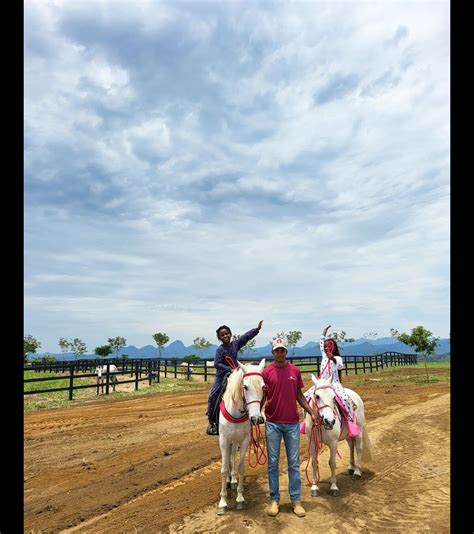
(328,369)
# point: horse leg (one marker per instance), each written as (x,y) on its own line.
(314,465)
(333,490)
(351,467)
(358,466)
(240,487)
(233,468)
(226,452)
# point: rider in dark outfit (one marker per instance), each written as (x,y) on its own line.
(227,349)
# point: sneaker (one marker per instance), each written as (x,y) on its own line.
(273,509)
(212,429)
(298,509)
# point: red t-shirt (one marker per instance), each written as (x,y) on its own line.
(283,384)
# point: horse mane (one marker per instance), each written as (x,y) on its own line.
(233,391)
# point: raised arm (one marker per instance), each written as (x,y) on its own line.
(322,339)
(245,338)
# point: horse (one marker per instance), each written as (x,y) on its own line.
(101,372)
(330,429)
(240,406)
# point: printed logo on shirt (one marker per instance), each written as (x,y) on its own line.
(291,378)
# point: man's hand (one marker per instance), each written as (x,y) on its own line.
(313,417)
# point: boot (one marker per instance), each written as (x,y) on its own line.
(212,429)
(273,509)
(298,509)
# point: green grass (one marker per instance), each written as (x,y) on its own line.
(60,399)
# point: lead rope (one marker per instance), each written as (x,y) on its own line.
(256,446)
(315,436)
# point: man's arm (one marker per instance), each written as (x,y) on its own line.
(304,404)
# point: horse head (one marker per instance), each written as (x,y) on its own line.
(324,400)
(253,390)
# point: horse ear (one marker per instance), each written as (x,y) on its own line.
(242,366)
(314,379)
(261,365)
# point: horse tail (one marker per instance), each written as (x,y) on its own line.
(366,446)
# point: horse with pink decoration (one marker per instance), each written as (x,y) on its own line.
(331,428)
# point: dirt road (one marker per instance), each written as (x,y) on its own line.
(145,465)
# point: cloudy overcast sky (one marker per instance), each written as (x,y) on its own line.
(189,164)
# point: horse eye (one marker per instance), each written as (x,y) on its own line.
(317,397)
(246,387)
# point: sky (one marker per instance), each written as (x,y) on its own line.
(193,164)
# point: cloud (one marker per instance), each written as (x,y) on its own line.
(192,164)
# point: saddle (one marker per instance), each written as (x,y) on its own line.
(352,427)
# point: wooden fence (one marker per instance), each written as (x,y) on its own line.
(152,369)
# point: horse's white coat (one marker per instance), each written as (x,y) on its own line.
(332,434)
(101,371)
(237,435)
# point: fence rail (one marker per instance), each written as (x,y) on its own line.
(152,369)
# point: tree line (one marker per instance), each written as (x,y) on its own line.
(420,339)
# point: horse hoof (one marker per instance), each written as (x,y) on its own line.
(356,477)
(334,493)
(228,485)
(350,471)
(233,485)
(221,510)
(239,506)
(314,493)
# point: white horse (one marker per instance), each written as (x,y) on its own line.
(101,372)
(331,429)
(240,406)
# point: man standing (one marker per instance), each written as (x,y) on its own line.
(284,385)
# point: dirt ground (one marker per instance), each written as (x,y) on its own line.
(145,465)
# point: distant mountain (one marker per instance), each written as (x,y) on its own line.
(177,349)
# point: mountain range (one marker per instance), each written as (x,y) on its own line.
(177,349)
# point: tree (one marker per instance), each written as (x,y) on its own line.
(201,344)
(116,343)
(30,346)
(160,339)
(370,335)
(293,337)
(421,340)
(76,346)
(103,350)
(341,338)
(63,344)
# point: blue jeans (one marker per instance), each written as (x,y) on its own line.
(291,436)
